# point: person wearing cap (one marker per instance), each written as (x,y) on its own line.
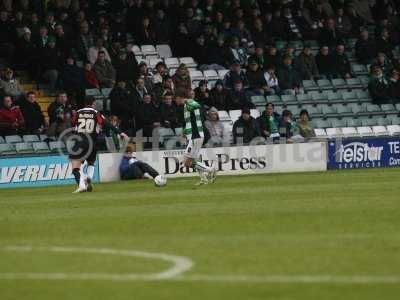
(215,128)
(235,74)
(131,168)
(256,79)
(245,128)
(305,63)
(10,85)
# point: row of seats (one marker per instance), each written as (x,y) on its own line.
(361,131)
(163,51)
(336,83)
(32,147)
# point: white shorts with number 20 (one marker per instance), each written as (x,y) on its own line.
(193,148)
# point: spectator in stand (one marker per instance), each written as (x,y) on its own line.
(258,57)
(325,63)
(268,122)
(161,72)
(329,35)
(147,76)
(149,117)
(11,119)
(236,53)
(259,35)
(238,98)
(104,70)
(34,120)
(124,106)
(168,113)
(50,59)
(245,128)
(289,78)
(256,79)
(215,128)
(384,44)
(306,130)
(219,96)
(146,34)
(72,77)
(288,129)
(235,74)
(126,66)
(395,86)
(60,104)
(85,40)
(341,64)
(200,52)
(10,85)
(95,50)
(306,64)
(343,24)
(383,63)
(379,87)
(202,94)
(271,80)
(7,36)
(181,78)
(139,90)
(217,54)
(365,48)
(60,124)
(90,77)
(26,54)
(272,58)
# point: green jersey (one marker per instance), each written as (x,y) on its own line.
(194,126)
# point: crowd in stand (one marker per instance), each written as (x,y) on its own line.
(48,38)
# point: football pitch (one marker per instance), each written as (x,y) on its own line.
(333,235)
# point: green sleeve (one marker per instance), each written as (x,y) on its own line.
(192,105)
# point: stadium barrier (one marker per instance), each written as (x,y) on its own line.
(37,171)
(241,160)
(363,153)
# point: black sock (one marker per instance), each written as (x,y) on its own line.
(77,174)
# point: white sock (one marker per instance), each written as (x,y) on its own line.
(90,172)
(82,183)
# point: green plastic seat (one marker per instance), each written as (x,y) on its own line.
(294,109)
(274,99)
(358,108)
(354,83)
(314,112)
(368,122)
(310,85)
(13,139)
(339,83)
(352,122)
(289,99)
(358,69)
(383,121)
(92,92)
(329,111)
(41,147)
(389,109)
(304,98)
(258,100)
(24,148)
(2,141)
(337,123)
(7,149)
(320,123)
(334,97)
(324,84)
(373,109)
(349,96)
(344,110)
(395,120)
(57,146)
(30,138)
(318,97)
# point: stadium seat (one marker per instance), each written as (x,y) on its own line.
(164,51)
(165,134)
(57,146)
(148,50)
(354,83)
(211,75)
(304,98)
(392,129)
(334,132)
(23,148)
(381,121)
(349,96)
(351,122)
(379,130)
(30,138)
(92,92)
(394,120)
(366,121)
(315,112)
(364,81)
(329,111)
(338,123)
(7,149)
(339,83)
(222,73)
(178,131)
(294,109)
(255,113)
(224,116)
(188,61)
(344,110)
(373,109)
(358,69)
(136,50)
(154,61)
(320,123)
(318,97)
(13,139)
(349,132)
(196,75)
(41,147)
(258,100)
(365,131)
(397,107)
(358,109)
(275,99)
(171,62)
(2,141)
(389,109)
(235,115)
(334,97)
(289,99)
(324,84)
(310,85)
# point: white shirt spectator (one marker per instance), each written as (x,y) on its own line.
(93,52)
(272,81)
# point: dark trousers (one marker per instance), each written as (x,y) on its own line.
(137,170)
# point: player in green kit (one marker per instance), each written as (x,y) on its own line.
(194,133)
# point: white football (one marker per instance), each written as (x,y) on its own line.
(160,181)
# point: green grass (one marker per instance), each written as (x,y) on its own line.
(337,223)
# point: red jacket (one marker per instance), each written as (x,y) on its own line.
(11,118)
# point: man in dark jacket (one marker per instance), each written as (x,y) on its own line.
(238,97)
(395,86)
(234,75)
(149,117)
(341,63)
(126,66)
(268,122)
(289,78)
(256,79)
(34,119)
(124,106)
(169,116)
(324,62)
(379,87)
(245,128)
(365,48)
(11,119)
(61,103)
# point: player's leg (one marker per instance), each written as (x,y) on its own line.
(91,160)
(76,171)
(146,168)
(191,160)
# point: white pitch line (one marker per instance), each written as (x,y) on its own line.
(180,264)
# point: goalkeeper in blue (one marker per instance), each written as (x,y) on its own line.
(194,134)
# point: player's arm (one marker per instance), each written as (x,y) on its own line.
(105,124)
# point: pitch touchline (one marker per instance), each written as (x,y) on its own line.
(180,265)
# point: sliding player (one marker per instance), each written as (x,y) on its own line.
(195,135)
(87,123)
